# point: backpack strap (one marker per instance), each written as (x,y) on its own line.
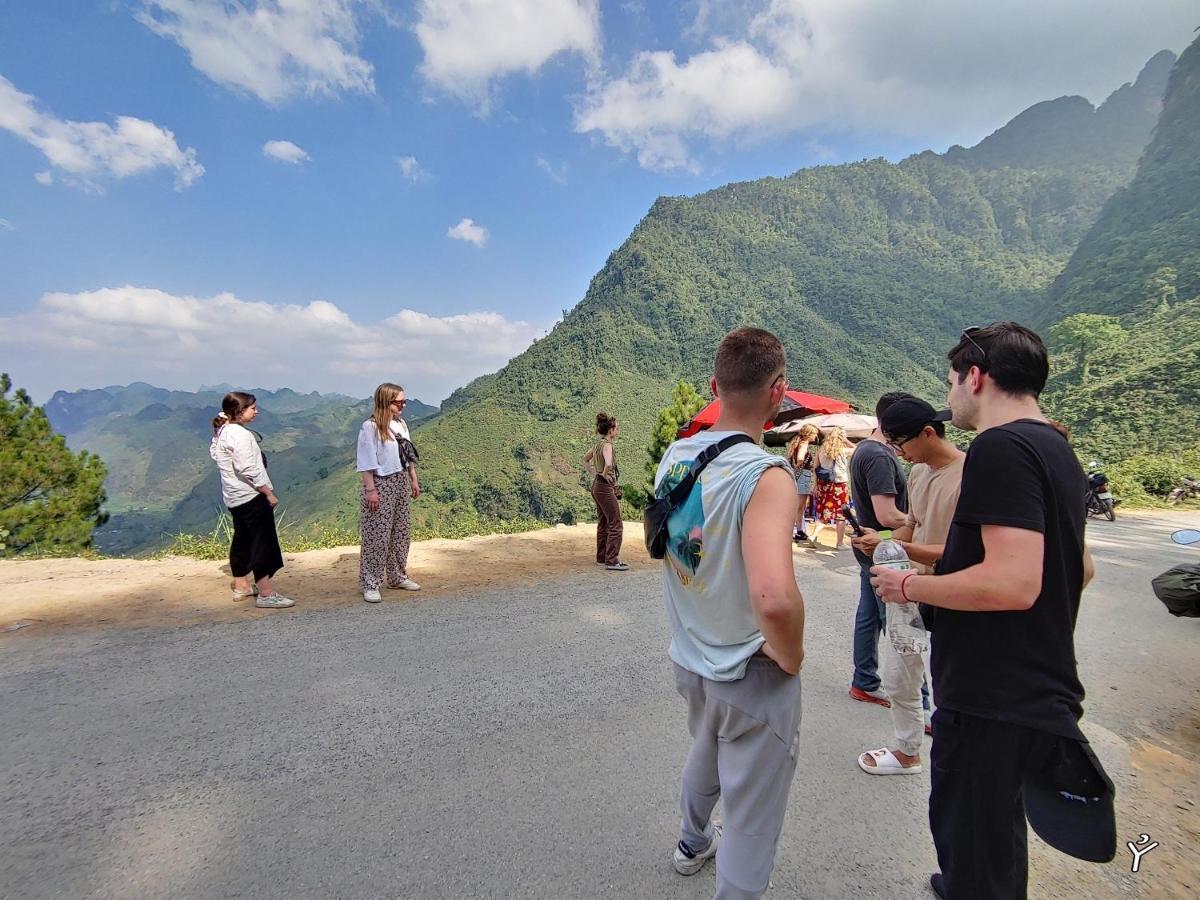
(680,492)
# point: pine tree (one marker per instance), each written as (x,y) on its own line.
(50,498)
(685,403)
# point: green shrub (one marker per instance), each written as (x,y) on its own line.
(1146,479)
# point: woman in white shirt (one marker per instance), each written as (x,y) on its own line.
(387,461)
(247,492)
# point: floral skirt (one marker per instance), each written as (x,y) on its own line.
(831,497)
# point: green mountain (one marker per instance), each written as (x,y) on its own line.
(155,444)
(1136,388)
(867,272)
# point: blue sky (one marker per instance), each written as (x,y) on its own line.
(146,231)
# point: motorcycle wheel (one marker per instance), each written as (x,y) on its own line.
(1109,512)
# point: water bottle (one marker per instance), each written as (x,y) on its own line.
(905,629)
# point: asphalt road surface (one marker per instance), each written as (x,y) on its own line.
(516,744)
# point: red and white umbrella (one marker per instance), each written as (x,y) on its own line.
(796,405)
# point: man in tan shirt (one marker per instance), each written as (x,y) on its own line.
(917,432)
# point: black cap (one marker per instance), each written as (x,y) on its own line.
(905,418)
(1069,802)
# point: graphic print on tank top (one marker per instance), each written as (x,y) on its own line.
(685,527)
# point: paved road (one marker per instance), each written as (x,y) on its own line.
(524,744)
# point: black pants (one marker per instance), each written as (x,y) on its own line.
(976,808)
(255,545)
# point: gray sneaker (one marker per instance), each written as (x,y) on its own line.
(275,601)
(688,862)
(618,567)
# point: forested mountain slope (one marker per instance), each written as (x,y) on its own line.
(1133,384)
(867,271)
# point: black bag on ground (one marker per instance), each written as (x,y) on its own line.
(659,509)
(1179,590)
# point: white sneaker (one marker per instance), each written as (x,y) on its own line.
(275,601)
(689,863)
(405,584)
(372,596)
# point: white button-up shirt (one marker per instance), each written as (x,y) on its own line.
(376,456)
(240,462)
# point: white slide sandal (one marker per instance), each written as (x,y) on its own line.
(886,764)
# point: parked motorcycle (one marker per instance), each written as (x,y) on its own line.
(1188,490)
(1100,501)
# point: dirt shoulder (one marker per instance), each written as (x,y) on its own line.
(175,591)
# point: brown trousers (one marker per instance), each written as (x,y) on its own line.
(609,527)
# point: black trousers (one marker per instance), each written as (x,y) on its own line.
(976,807)
(255,545)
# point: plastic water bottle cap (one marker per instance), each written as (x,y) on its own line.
(885,535)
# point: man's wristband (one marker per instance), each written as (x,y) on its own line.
(904,584)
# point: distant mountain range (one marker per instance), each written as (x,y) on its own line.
(867,271)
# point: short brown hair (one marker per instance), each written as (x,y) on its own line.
(604,423)
(747,359)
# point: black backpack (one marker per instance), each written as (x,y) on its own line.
(658,510)
(1179,590)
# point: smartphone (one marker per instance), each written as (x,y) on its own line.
(848,514)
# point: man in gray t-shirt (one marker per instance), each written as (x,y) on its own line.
(880,496)
(737,625)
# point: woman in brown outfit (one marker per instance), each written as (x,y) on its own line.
(601,462)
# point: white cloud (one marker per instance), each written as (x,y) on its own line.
(467,230)
(273,49)
(6,225)
(557,174)
(44,178)
(940,70)
(411,169)
(90,150)
(467,44)
(717,93)
(285,151)
(128,333)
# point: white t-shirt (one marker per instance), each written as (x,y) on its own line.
(240,462)
(374,455)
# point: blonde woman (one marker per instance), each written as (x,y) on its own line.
(832,471)
(800,457)
(387,462)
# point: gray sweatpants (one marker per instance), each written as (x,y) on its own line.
(745,736)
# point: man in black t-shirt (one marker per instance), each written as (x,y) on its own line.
(1001,609)
(880,494)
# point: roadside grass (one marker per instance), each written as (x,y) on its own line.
(296,539)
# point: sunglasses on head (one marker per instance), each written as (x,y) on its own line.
(967,332)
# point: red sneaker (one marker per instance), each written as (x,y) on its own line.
(875,696)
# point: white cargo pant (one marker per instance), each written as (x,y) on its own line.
(902,676)
(745,736)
